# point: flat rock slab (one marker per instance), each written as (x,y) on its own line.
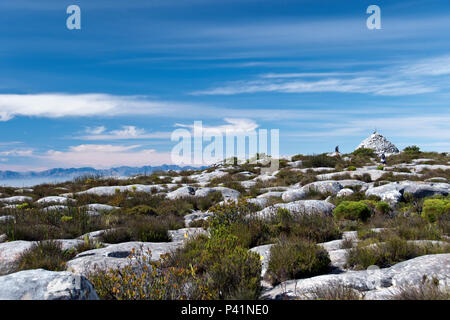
(115,256)
(4,219)
(9,254)
(298,207)
(186,233)
(189,192)
(393,192)
(195,216)
(55,199)
(41,284)
(16,199)
(331,187)
(100,207)
(374,283)
(109,191)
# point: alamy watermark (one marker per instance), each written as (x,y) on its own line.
(207,146)
(374,21)
(73,22)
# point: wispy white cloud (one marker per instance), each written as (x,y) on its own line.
(17,153)
(412,79)
(429,67)
(57,105)
(126,133)
(234,126)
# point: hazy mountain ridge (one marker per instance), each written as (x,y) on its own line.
(76,172)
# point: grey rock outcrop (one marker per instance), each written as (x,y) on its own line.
(393,192)
(298,207)
(330,187)
(115,256)
(374,283)
(41,284)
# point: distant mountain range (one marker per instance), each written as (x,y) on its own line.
(77,172)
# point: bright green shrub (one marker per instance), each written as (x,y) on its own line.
(382,207)
(351,168)
(352,210)
(433,209)
(380,167)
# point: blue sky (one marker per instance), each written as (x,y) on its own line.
(111,93)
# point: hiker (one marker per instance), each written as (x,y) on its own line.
(383,158)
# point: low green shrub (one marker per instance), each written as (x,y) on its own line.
(433,209)
(315,227)
(382,207)
(142,279)
(49,255)
(141,209)
(352,210)
(296,258)
(366,152)
(388,253)
(412,149)
(351,168)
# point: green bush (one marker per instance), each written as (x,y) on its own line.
(392,251)
(230,270)
(320,160)
(296,258)
(352,210)
(382,207)
(142,279)
(48,255)
(412,149)
(351,168)
(380,167)
(141,209)
(316,228)
(433,209)
(365,152)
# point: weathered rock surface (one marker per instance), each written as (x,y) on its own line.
(293,195)
(10,253)
(41,284)
(331,187)
(372,283)
(264,253)
(100,207)
(344,192)
(393,192)
(111,190)
(185,192)
(185,233)
(4,219)
(299,207)
(195,216)
(270,194)
(16,199)
(115,256)
(55,199)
